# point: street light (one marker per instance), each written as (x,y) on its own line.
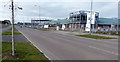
(13,48)
(13,45)
(90,19)
(39,11)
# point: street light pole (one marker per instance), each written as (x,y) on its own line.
(39,12)
(91,19)
(12,3)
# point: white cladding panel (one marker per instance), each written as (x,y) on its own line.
(89,18)
(45,26)
(90,22)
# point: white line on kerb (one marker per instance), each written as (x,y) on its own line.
(103,50)
(34,45)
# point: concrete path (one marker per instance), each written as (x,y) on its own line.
(8,38)
(18,38)
(77,33)
(4,29)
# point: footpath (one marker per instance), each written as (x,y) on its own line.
(8,38)
(78,33)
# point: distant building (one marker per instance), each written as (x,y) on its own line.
(39,23)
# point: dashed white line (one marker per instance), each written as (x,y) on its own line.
(88,46)
(104,50)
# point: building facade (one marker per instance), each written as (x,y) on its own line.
(80,19)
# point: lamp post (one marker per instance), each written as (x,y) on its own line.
(90,19)
(13,48)
(39,11)
(13,45)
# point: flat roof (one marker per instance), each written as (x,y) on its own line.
(107,21)
(83,11)
(40,20)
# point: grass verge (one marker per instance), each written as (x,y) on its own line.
(11,29)
(95,37)
(44,29)
(0,51)
(10,33)
(24,51)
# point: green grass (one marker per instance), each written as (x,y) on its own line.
(0,26)
(10,33)
(0,51)
(107,33)
(95,37)
(27,52)
(44,29)
(11,29)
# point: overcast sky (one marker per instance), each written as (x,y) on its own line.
(55,9)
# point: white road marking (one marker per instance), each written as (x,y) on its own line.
(88,46)
(34,44)
(116,42)
(104,50)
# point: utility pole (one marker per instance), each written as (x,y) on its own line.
(39,12)
(13,52)
(91,19)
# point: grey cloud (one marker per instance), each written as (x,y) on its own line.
(62,9)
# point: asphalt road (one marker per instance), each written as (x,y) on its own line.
(61,46)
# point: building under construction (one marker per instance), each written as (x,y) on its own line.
(80,19)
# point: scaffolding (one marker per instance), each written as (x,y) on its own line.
(79,19)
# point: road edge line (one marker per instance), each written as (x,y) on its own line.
(34,45)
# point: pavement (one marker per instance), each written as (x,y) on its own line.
(4,29)
(8,38)
(61,46)
(18,38)
(78,33)
(114,36)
